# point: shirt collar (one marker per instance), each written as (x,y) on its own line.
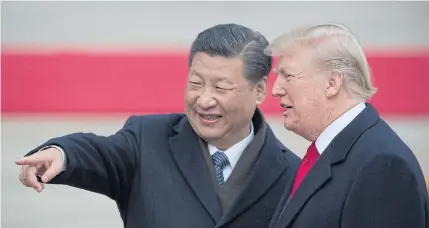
(234,152)
(326,137)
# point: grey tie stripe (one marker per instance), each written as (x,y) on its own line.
(220,160)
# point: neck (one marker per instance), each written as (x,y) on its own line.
(333,112)
(231,138)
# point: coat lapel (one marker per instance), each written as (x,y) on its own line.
(334,154)
(270,164)
(318,175)
(188,155)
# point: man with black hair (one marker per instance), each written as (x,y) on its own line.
(217,165)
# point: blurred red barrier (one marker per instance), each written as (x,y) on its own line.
(154,83)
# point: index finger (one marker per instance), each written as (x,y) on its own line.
(31,160)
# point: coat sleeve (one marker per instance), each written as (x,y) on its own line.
(385,194)
(100,164)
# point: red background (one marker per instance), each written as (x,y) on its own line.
(153,82)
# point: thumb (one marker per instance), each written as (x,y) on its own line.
(31,160)
(53,170)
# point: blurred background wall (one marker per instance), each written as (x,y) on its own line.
(85,66)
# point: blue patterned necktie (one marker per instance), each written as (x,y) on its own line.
(220,160)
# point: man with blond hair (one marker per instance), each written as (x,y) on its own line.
(357,172)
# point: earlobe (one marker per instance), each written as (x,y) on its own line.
(260,99)
(261,90)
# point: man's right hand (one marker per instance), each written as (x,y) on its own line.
(47,164)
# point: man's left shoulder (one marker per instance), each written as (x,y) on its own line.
(381,144)
(288,153)
(382,139)
(290,156)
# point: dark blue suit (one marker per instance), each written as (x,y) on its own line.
(366,178)
(155,171)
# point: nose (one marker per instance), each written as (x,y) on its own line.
(206,100)
(278,88)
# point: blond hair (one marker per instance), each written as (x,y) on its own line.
(335,48)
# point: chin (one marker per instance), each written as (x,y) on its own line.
(288,125)
(209,135)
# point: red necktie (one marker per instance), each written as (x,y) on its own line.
(305,166)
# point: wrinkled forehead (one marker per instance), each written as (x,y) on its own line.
(217,67)
(294,60)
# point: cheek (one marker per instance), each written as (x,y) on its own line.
(191,97)
(311,97)
(245,107)
(225,104)
(305,99)
(234,105)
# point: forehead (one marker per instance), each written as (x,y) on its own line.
(294,60)
(217,66)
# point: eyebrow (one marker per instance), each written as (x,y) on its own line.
(193,71)
(282,70)
(218,79)
(225,79)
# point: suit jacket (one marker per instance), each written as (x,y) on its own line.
(155,171)
(235,184)
(367,177)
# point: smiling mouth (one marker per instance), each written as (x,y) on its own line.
(210,117)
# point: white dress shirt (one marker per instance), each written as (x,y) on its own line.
(233,153)
(326,137)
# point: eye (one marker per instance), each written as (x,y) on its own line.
(287,76)
(223,88)
(195,83)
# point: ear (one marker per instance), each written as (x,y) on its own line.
(261,90)
(334,84)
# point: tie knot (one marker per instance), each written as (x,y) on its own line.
(312,152)
(220,159)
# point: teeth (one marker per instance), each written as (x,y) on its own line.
(210,117)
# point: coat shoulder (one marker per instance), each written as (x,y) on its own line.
(156,119)
(156,124)
(382,140)
(291,157)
